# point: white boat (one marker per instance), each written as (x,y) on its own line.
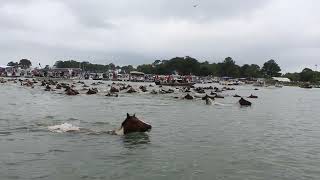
(278,85)
(226,83)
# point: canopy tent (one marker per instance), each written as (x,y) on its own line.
(281,79)
(136,73)
(3,66)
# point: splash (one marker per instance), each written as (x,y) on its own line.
(219,104)
(65,127)
(119,132)
(208,101)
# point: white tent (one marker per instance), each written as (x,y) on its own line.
(281,79)
(3,66)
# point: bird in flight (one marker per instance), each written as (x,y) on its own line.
(196,5)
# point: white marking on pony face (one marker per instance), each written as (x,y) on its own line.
(119,132)
(144,122)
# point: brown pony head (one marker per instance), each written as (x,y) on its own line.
(133,124)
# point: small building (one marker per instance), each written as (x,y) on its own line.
(136,76)
(3,70)
(10,71)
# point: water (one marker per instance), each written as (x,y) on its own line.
(277,138)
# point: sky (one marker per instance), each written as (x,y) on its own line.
(141,31)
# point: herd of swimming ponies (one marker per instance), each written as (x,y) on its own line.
(131,124)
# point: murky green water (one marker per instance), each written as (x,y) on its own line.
(277,138)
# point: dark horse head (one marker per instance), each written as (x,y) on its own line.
(133,124)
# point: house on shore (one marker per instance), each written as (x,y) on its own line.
(3,70)
(137,76)
(64,72)
(10,71)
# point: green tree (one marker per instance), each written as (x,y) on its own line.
(162,68)
(146,68)
(254,71)
(184,65)
(271,68)
(214,69)
(112,66)
(244,70)
(25,63)
(229,68)
(205,69)
(86,66)
(11,63)
(293,76)
(127,69)
(307,75)
(156,62)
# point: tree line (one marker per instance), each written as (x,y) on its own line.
(185,66)
(89,67)
(182,65)
(189,65)
(306,75)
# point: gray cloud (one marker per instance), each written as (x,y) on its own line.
(140,31)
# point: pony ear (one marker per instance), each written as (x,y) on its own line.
(134,115)
(128,115)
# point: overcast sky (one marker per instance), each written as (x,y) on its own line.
(140,31)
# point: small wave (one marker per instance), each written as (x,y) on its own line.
(49,117)
(20,128)
(65,127)
(97,133)
(41,124)
(101,123)
(5,133)
(57,150)
(218,104)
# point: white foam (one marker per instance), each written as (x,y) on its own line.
(65,127)
(208,101)
(218,104)
(118,132)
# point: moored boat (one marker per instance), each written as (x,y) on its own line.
(306,86)
(96,77)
